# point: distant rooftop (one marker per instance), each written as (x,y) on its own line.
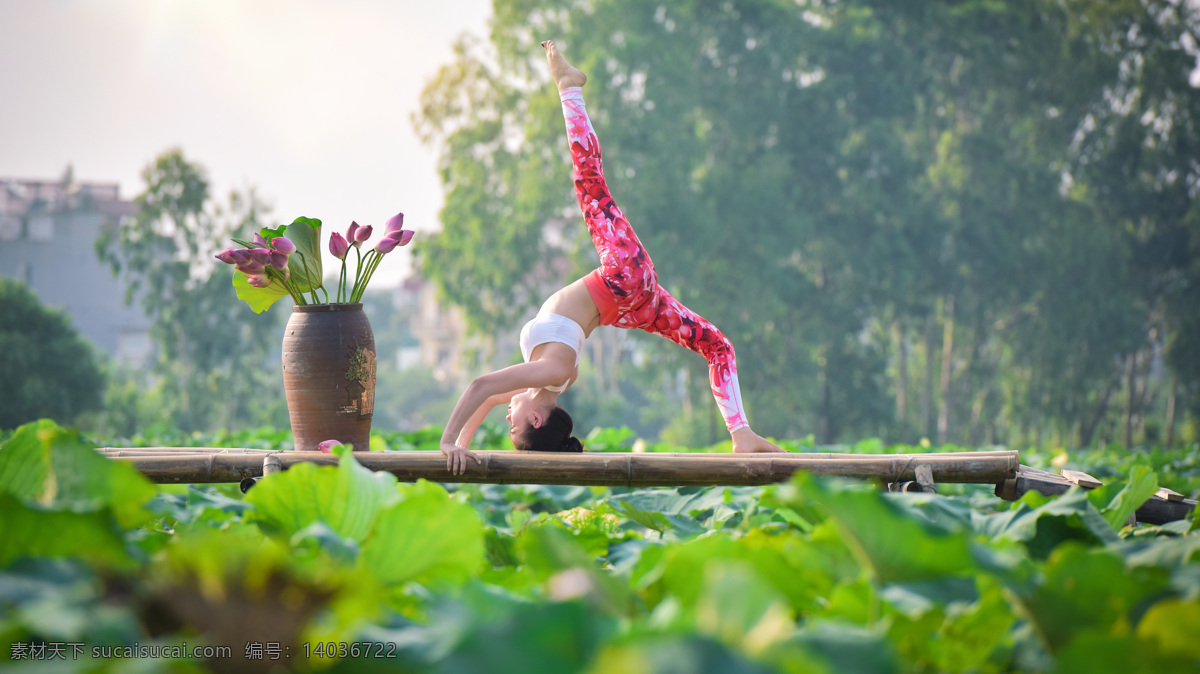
(18,197)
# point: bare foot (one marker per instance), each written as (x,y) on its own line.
(746,441)
(564,74)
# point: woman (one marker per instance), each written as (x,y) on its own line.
(623,291)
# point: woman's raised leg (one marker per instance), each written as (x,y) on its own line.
(625,267)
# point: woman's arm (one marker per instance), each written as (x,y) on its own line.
(534,374)
(468,432)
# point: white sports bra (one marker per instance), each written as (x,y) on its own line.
(548,327)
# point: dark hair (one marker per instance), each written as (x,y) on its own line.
(553,436)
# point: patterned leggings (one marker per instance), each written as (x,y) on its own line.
(625,287)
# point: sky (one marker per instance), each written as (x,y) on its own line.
(308,101)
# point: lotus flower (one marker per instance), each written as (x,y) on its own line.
(234,256)
(395,238)
(328,445)
(262,261)
(338,246)
(261,255)
(362,234)
(396,223)
(241,256)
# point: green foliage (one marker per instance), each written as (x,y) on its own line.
(810,576)
(347,500)
(62,499)
(46,368)
(212,368)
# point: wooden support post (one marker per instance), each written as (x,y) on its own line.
(1082,479)
(1168,494)
(925,479)
(1155,510)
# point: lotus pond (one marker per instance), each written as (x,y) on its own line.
(342,569)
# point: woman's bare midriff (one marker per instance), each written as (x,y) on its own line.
(576,303)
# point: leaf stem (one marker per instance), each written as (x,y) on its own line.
(308,276)
(372,265)
(357,274)
(342,281)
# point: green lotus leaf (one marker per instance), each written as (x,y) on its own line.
(49,467)
(347,497)
(426,537)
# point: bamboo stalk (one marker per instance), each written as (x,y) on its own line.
(204,451)
(826,455)
(166,455)
(185,450)
(158,451)
(601,468)
(127,453)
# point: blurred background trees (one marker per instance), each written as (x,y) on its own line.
(212,366)
(965,221)
(46,367)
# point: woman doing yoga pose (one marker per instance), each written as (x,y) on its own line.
(623,292)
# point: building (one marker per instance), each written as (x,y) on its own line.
(440,342)
(48,232)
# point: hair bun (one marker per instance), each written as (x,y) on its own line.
(572,444)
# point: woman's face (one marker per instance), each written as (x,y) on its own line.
(522,414)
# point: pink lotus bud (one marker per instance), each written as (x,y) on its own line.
(395,223)
(328,445)
(278,260)
(251,267)
(386,245)
(258,280)
(283,245)
(362,234)
(393,239)
(239,255)
(351,231)
(259,239)
(338,246)
(226,256)
(261,255)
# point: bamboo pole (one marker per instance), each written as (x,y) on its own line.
(134,453)
(184,450)
(601,468)
(201,451)
(825,455)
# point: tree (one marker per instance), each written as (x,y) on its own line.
(1008,186)
(212,359)
(47,370)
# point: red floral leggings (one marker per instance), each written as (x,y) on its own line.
(625,286)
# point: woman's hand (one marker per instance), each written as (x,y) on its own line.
(456,457)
